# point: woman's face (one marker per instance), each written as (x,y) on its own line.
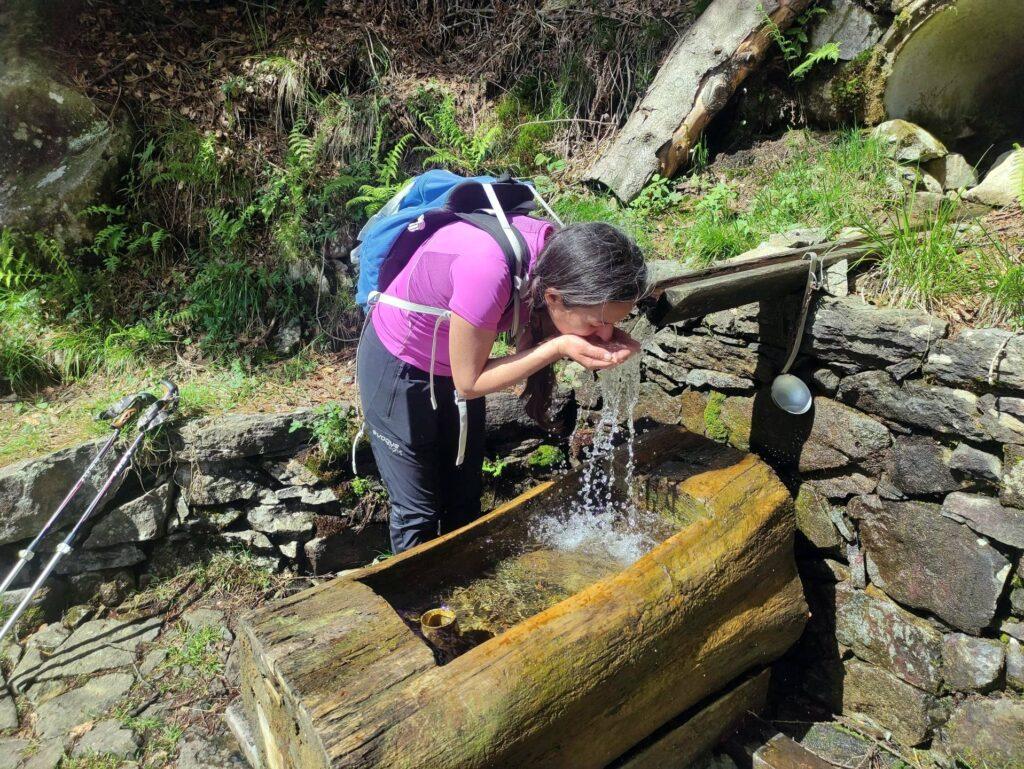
(592,320)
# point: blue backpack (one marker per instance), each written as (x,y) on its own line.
(427,203)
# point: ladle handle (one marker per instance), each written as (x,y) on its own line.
(814,280)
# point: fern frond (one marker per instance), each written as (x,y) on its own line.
(827,52)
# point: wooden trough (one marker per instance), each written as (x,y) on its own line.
(335,677)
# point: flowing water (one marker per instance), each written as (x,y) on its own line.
(599,521)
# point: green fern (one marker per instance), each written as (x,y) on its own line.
(15,270)
(452,147)
(372,197)
(827,52)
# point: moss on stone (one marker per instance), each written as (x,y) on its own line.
(714,427)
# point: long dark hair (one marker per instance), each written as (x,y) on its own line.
(587,264)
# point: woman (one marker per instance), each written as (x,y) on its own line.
(581,281)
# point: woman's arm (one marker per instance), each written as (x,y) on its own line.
(476,375)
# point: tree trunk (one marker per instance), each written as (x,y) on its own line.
(701,73)
(333,677)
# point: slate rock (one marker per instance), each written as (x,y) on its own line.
(84,560)
(977,464)
(1001,185)
(952,171)
(972,664)
(843,487)
(891,703)
(56,717)
(826,380)
(219,484)
(346,549)
(920,466)
(140,520)
(942,410)
(814,518)
(236,436)
(218,752)
(849,26)
(1011,487)
(657,405)
(277,520)
(926,561)
(908,142)
(107,738)
(291,473)
(10,752)
(986,516)
(840,746)
(750,362)
(966,360)
(782,752)
(94,646)
(1013,629)
(8,710)
(31,490)
(46,754)
(987,732)
(840,435)
(879,631)
(249,539)
(307,496)
(220,517)
(717,380)
(109,588)
(1015,664)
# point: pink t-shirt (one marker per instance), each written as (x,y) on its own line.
(460,268)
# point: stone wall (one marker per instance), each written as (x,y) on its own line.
(246,480)
(908,475)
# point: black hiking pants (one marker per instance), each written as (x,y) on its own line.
(415,446)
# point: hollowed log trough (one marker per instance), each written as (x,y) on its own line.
(662,654)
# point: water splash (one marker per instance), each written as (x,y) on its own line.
(599,520)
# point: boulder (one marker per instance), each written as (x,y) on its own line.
(969,462)
(107,738)
(1011,487)
(986,732)
(972,664)
(1002,184)
(891,703)
(849,26)
(840,435)
(57,716)
(927,561)
(851,331)
(919,466)
(60,152)
(31,490)
(880,632)
(908,142)
(942,410)
(236,436)
(952,171)
(986,516)
(307,496)
(140,520)
(967,359)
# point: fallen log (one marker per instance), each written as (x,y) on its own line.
(334,677)
(705,67)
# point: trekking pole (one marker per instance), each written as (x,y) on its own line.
(121,412)
(155,415)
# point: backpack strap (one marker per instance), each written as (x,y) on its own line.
(490,224)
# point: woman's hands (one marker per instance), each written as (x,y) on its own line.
(594,353)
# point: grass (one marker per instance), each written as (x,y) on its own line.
(942,262)
(196,649)
(93,761)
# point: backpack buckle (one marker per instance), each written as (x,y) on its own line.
(417,225)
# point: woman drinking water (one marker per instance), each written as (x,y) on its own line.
(422,381)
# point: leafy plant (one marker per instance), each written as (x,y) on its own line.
(827,52)
(196,649)
(448,145)
(657,197)
(388,179)
(546,456)
(332,429)
(494,467)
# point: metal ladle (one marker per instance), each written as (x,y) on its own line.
(789,392)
